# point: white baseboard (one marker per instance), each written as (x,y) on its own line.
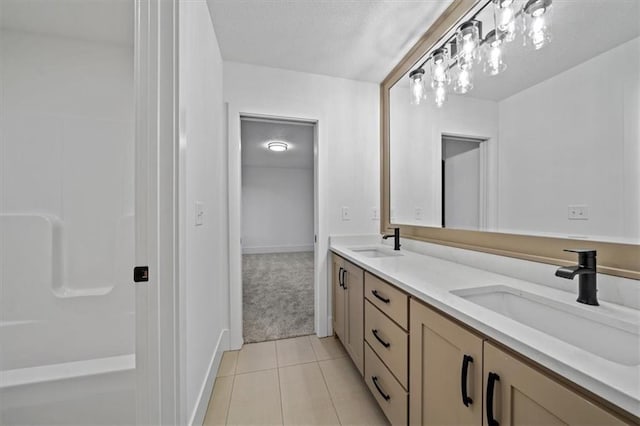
(277,249)
(197,417)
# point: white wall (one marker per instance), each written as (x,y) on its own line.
(277,209)
(348,149)
(416,152)
(203,178)
(574,139)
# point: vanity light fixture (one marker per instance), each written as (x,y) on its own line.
(505,19)
(440,75)
(462,75)
(494,62)
(468,46)
(277,146)
(416,83)
(537,18)
(467,42)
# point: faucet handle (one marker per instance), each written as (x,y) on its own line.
(586,257)
(581,251)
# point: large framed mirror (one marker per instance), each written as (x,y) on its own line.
(513,127)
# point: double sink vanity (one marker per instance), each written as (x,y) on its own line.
(439,342)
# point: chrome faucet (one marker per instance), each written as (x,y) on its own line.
(396,238)
(586,269)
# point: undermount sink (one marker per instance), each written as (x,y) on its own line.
(375,252)
(602,335)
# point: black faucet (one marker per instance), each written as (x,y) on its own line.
(586,269)
(396,238)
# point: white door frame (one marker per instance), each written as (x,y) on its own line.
(156,204)
(235,114)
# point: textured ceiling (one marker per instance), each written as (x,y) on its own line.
(354,39)
(94,20)
(256,134)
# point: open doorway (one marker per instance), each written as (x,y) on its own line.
(463,182)
(277,174)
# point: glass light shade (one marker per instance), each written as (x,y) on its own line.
(537,23)
(416,86)
(440,95)
(439,68)
(494,56)
(462,80)
(505,18)
(467,42)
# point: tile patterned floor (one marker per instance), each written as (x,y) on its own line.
(299,381)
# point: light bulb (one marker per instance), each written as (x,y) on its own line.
(504,16)
(538,23)
(468,40)
(440,95)
(463,81)
(439,68)
(416,84)
(494,62)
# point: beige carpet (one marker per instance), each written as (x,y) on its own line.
(277,291)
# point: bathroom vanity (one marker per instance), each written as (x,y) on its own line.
(444,343)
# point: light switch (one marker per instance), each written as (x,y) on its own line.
(346,214)
(199,213)
(578,212)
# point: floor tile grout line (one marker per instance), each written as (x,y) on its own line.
(333,404)
(279,385)
(233,385)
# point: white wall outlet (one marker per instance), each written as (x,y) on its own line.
(375,214)
(418,213)
(346,213)
(578,212)
(199,213)
(392,215)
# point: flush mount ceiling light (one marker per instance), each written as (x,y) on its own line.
(468,47)
(277,146)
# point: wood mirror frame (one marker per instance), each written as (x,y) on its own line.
(613,258)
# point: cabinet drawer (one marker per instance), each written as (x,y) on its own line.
(388,299)
(388,341)
(391,397)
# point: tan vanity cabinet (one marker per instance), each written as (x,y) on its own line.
(389,299)
(348,308)
(445,370)
(516,393)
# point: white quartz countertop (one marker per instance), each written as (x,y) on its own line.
(432,279)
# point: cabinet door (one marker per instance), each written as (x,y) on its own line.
(354,303)
(445,370)
(338,299)
(524,395)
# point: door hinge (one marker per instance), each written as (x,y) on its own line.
(140,274)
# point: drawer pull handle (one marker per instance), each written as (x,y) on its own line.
(466,359)
(344,284)
(491,383)
(340,277)
(375,334)
(375,383)
(375,293)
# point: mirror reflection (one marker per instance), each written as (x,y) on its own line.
(524,119)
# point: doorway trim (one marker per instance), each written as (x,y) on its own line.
(483,170)
(235,115)
(156,204)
